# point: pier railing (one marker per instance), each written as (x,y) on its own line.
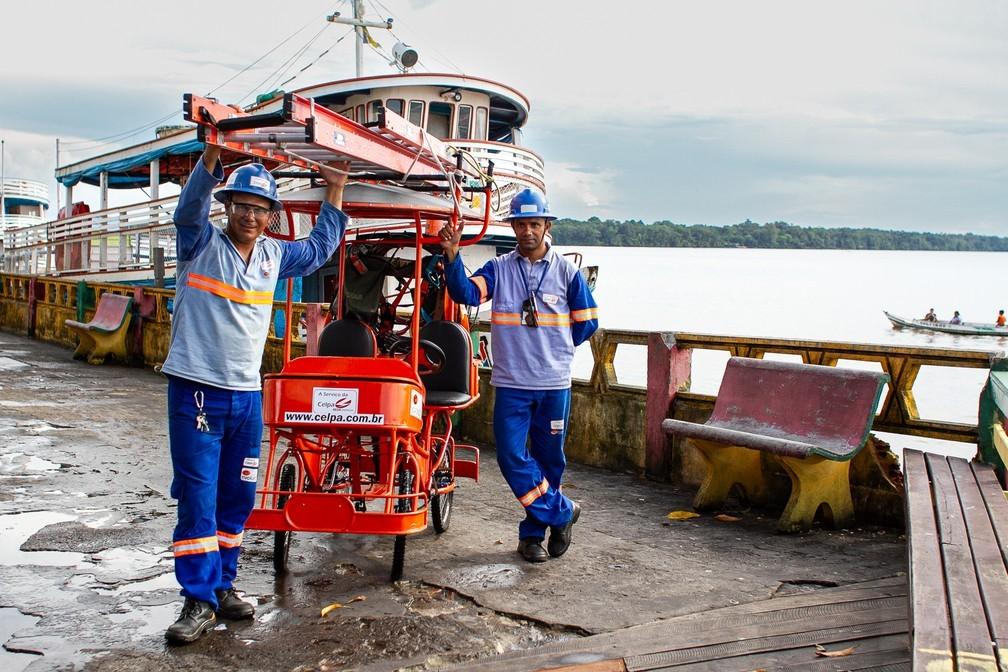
(613,424)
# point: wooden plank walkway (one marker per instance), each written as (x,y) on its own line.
(774,634)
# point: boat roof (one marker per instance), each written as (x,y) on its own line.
(507,105)
(129,167)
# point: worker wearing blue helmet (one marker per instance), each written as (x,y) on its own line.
(541,310)
(223,300)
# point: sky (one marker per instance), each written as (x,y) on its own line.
(890,114)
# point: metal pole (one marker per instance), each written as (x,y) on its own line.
(3,190)
(57,184)
(359,42)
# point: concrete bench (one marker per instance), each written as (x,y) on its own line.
(106,333)
(811,419)
(957,539)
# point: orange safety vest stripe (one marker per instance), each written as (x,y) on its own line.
(227,291)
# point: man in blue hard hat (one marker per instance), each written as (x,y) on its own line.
(223,300)
(541,310)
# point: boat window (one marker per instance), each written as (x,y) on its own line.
(481,124)
(348,113)
(464,122)
(396,105)
(360,114)
(372,111)
(416,112)
(439,120)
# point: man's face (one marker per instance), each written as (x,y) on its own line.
(530,233)
(248,217)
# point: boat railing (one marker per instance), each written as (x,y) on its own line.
(121,238)
(18,188)
(19,221)
(512,164)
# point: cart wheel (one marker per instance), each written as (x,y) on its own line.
(282,540)
(441,510)
(398,556)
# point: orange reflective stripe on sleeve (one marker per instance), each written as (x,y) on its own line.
(480,283)
(229,292)
(585,315)
(194,546)
(535,493)
(229,540)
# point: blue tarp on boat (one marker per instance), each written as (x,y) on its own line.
(119,170)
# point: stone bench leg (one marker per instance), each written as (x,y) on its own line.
(113,343)
(815,481)
(728,466)
(85,345)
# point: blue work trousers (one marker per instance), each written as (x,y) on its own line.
(529,428)
(215,473)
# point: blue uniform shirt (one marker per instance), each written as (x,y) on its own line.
(222,306)
(529,358)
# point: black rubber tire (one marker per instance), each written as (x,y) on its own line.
(282,540)
(398,557)
(441,510)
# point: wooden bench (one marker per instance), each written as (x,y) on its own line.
(811,419)
(106,333)
(957,530)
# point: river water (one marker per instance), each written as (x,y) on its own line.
(834,295)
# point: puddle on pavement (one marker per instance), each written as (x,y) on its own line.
(17,528)
(18,464)
(8,364)
(161,582)
(129,562)
(142,621)
(497,575)
(11,621)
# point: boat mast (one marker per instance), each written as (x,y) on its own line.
(360,27)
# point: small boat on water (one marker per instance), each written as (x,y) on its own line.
(965,328)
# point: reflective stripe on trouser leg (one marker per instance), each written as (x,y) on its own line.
(236,484)
(515,413)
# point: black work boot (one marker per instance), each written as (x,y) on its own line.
(531,549)
(232,607)
(560,537)
(196,618)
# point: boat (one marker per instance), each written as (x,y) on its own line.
(945,327)
(22,203)
(479,118)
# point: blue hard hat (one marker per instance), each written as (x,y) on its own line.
(529,203)
(252,179)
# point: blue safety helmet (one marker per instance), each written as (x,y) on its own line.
(251,179)
(529,203)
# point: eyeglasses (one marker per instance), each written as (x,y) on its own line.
(242,209)
(529,312)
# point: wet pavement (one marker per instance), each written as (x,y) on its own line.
(86,578)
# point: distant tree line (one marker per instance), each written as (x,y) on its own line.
(635,233)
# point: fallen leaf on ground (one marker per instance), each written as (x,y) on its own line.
(820,650)
(682,515)
(359,598)
(331,607)
(725,518)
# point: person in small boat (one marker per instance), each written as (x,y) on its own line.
(541,310)
(955,318)
(1000,319)
(931,316)
(223,301)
